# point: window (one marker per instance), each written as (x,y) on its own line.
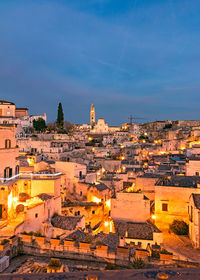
(6,172)
(197,173)
(80,193)
(93,212)
(7,143)
(17,169)
(165,207)
(191,214)
(36,215)
(10,172)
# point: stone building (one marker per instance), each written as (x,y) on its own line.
(194,220)
(129,206)
(192,167)
(172,199)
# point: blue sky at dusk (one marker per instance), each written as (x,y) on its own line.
(139,57)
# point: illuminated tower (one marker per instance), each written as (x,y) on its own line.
(92,116)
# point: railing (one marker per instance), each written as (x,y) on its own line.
(31,175)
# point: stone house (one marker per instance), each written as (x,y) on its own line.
(194,220)
(129,206)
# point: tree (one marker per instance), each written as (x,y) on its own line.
(179,227)
(168,126)
(39,125)
(67,126)
(138,263)
(60,117)
(51,127)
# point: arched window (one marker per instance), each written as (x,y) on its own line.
(6,172)
(7,143)
(17,169)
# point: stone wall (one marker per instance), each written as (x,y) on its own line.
(68,250)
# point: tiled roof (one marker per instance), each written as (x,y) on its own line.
(78,234)
(100,187)
(196,198)
(179,181)
(111,239)
(65,222)
(135,230)
(45,196)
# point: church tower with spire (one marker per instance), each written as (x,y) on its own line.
(92,116)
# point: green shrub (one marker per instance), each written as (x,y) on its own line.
(100,243)
(54,263)
(167,126)
(139,264)
(27,233)
(4,241)
(155,254)
(165,252)
(110,266)
(179,227)
(38,234)
(88,239)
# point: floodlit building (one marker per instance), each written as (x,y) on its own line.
(130,206)
(172,199)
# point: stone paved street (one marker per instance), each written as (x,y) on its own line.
(181,247)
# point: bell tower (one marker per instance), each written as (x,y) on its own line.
(92,116)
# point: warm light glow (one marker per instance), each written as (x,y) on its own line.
(10,200)
(162,153)
(108,203)
(90,138)
(96,199)
(194,143)
(15,199)
(153,217)
(106,224)
(31,161)
(122,158)
(143,141)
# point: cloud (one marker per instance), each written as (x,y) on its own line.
(125,56)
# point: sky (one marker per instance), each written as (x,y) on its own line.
(128,57)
